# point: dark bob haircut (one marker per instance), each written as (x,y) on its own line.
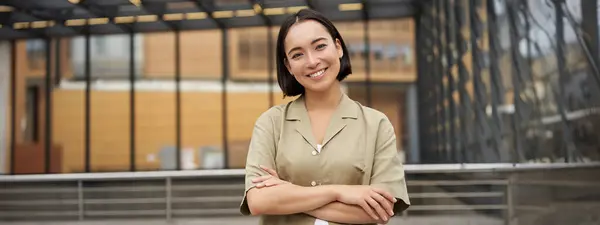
(287,82)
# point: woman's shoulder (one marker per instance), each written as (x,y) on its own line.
(371,114)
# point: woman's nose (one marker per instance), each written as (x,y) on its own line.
(313,61)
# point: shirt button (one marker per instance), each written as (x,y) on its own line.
(313,183)
(314,152)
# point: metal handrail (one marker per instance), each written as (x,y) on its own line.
(409,169)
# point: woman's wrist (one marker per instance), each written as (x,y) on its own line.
(333,190)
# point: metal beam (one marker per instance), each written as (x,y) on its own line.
(13,105)
(497,87)
(89,7)
(57,66)
(224,79)
(438,80)
(451,84)
(178,99)
(481,128)
(561,101)
(88,86)
(367,42)
(589,24)
(48,108)
(209,12)
(159,14)
(463,78)
(132,111)
(517,67)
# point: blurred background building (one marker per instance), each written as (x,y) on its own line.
(97,88)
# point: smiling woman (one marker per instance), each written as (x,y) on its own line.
(322,158)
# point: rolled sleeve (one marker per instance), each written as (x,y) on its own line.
(388,171)
(261,152)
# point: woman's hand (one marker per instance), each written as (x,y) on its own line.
(368,198)
(268,180)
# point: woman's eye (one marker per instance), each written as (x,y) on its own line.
(296,55)
(321,46)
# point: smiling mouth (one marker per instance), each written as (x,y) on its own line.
(317,74)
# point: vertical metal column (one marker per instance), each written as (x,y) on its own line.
(535,115)
(517,67)
(428,86)
(479,89)
(422,50)
(589,23)
(463,78)
(88,86)
(450,62)
(270,65)
(497,88)
(48,108)
(367,53)
(132,110)
(13,104)
(57,60)
(225,61)
(440,109)
(177,100)
(568,145)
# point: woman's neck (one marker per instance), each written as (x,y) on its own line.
(327,100)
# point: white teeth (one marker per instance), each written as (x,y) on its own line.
(317,73)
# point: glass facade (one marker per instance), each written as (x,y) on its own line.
(137,102)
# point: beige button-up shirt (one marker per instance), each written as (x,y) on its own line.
(359,148)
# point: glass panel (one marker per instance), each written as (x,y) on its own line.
(109,115)
(201,101)
(155,105)
(195,64)
(68,112)
(392,50)
(249,90)
(353,35)
(30,111)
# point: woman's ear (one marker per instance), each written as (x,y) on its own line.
(338,47)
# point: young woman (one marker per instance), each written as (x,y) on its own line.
(322,158)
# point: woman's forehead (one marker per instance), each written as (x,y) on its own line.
(305,32)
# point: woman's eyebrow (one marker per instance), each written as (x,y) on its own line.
(312,42)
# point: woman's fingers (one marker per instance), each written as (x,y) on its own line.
(377,206)
(267,181)
(270,171)
(261,178)
(385,194)
(387,205)
(369,210)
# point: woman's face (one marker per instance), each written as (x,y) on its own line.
(312,56)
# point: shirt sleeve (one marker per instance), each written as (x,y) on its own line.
(261,152)
(388,171)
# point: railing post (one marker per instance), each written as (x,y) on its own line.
(509,201)
(168,197)
(80,199)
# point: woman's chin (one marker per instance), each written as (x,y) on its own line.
(320,87)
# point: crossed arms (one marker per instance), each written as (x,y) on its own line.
(356,204)
(353,204)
